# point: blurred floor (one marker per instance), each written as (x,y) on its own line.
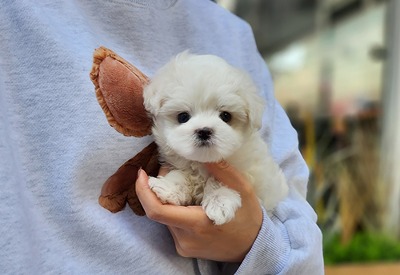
(373,269)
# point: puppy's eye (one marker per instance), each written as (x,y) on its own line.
(183,117)
(225,116)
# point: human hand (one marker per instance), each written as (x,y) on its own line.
(194,233)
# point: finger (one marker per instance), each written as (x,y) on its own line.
(143,191)
(229,176)
(183,217)
(172,215)
(179,216)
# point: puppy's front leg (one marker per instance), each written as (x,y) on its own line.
(173,188)
(220,202)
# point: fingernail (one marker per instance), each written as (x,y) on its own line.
(219,165)
(223,164)
(139,173)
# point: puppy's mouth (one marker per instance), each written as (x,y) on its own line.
(202,143)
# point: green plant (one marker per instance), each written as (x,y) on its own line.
(362,248)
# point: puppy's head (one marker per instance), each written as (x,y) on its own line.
(202,107)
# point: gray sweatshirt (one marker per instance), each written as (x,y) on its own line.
(57,149)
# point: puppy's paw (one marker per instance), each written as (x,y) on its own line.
(220,206)
(169,192)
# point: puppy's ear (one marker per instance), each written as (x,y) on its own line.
(252,98)
(256,108)
(152,98)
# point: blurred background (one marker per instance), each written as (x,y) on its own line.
(336,71)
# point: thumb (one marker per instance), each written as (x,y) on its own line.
(229,176)
(146,197)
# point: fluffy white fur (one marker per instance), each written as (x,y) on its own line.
(205,110)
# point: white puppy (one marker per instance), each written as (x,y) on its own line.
(205,110)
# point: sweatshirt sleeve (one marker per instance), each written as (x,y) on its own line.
(288,243)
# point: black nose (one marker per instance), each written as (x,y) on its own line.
(204,133)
